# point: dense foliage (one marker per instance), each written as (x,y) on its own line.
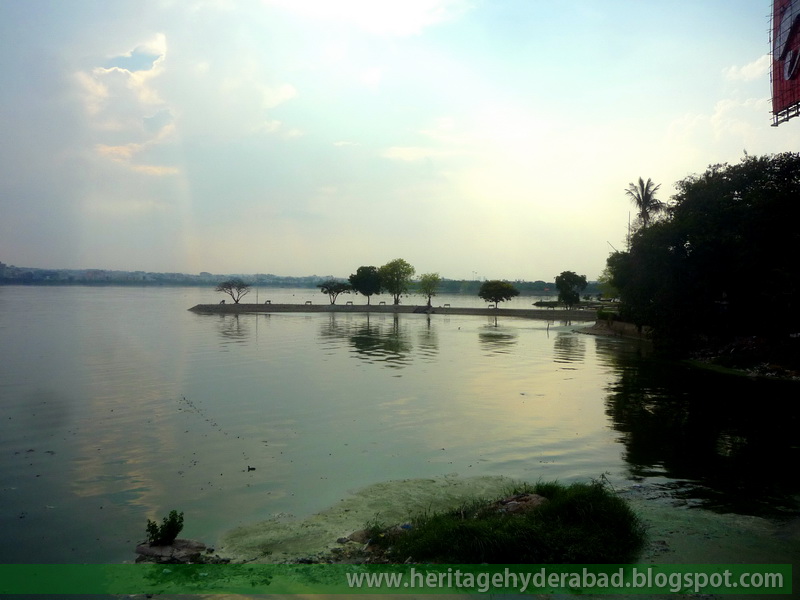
(722,263)
(396,277)
(570,285)
(366,281)
(497,291)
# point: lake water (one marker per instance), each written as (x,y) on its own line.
(118,405)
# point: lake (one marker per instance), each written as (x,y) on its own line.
(118,405)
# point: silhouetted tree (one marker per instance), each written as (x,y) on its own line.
(732,224)
(235,288)
(366,281)
(643,196)
(497,291)
(333,288)
(570,285)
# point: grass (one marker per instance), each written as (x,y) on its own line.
(580,523)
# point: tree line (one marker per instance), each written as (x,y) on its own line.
(719,261)
(397,276)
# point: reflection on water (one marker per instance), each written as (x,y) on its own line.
(726,440)
(382,340)
(497,341)
(120,405)
(233,329)
(569,348)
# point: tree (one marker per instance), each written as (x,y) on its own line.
(396,277)
(333,288)
(366,281)
(643,196)
(570,286)
(606,285)
(689,275)
(235,288)
(497,291)
(428,285)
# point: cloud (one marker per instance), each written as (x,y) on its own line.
(125,111)
(405,18)
(414,153)
(119,153)
(749,72)
(275,95)
(156,170)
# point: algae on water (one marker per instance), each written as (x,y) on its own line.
(284,538)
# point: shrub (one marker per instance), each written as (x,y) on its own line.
(165,534)
(607,315)
(580,523)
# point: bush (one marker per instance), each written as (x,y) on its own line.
(607,315)
(580,523)
(165,534)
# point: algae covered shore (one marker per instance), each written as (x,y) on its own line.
(676,532)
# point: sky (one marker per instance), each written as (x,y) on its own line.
(474,138)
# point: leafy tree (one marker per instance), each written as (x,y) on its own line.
(428,285)
(497,291)
(396,277)
(333,288)
(235,288)
(643,196)
(732,224)
(605,284)
(366,281)
(570,285)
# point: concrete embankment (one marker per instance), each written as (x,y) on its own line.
(546,314)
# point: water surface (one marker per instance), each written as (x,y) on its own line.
(118,405)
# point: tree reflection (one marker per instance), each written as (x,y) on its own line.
(428,340)
(497,341)
(232,329)
(384,340)
(569,348)
(732,440)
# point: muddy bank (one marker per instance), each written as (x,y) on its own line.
(534,313)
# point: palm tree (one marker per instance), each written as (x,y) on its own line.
(643,195)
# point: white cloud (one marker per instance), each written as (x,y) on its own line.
(126,113)
(409,17)
(749,72)
(275,95)
(413,153)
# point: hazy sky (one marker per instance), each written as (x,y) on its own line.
(300,137)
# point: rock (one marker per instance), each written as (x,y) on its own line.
(361,536)
(179,552)
(518,503)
